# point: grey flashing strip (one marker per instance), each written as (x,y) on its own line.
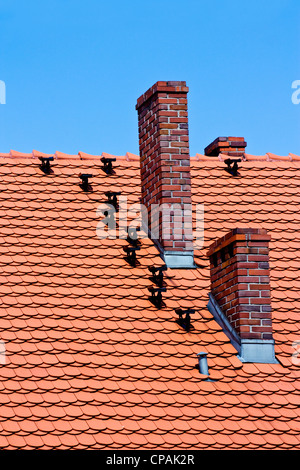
(173,259)
(176,259)
(249,350)
(260,351)
(180,259)
(222,320)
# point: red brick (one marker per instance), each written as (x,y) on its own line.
(179,119)
(261,329)
(261,300)
(167,100)
(249,293)
(244,328)
(248,265)
(249,322)
(259,272)
(258,258)
(262,315)
(247,279)
(259,286)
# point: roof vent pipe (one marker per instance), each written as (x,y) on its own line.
(203,367)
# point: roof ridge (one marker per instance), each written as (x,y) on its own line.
(268,157)
(129,156)
(35,154)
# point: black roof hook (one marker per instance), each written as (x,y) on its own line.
(85,186)
(45,164)
(232,165)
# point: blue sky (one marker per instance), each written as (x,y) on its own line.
(74,69)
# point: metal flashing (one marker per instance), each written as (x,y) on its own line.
(249,350)
(179,259)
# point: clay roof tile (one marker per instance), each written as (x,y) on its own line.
(91,363)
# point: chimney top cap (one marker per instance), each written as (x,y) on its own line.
(163,87)
(239,234)
(225,144)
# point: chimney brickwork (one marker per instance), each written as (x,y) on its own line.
(231,146)
(240,282)
(165,168)
(240,296)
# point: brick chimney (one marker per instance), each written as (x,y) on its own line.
(232,146)
(240,296)
(165,170)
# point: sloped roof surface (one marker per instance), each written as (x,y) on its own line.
(90,363)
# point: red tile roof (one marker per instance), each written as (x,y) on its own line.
(90,362)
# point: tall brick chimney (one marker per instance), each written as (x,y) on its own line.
(240,296)
(232,146)
(165,170)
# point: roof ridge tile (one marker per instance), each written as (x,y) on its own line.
(268,157)
(273,156)
(88,156)
(132,157)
